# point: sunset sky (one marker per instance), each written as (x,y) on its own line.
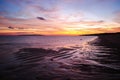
(59,17)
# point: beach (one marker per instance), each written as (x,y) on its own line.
(111,40)
(72,58)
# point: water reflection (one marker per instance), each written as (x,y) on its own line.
(79,62)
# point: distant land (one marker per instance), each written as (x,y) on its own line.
(24,35)
(101,34)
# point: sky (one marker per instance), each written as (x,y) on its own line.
(59,17)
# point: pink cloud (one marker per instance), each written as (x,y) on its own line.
(117,17)
(88,23)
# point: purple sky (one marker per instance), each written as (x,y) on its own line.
(59,17)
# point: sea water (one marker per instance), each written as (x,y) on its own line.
(57,58)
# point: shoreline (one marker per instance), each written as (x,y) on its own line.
(110,40)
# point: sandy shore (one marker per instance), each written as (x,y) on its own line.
(111,40)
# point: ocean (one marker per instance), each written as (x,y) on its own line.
(57,58)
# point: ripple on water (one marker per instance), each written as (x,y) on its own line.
(73,63)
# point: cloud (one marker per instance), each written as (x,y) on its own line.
(3,12)
(71,1)
(44,9)
(106,0)
(105,30)
(31,8)
(87,23)
(41,18)
(11,19)
(92,23)
(15,28)
(10,27)
(117,17)
(20,2)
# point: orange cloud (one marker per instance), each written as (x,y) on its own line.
(56,25)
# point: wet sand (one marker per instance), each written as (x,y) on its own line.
(110,40)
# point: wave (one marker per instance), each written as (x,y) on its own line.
(73,63)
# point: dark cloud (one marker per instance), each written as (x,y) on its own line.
(10,27)
(41,18)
